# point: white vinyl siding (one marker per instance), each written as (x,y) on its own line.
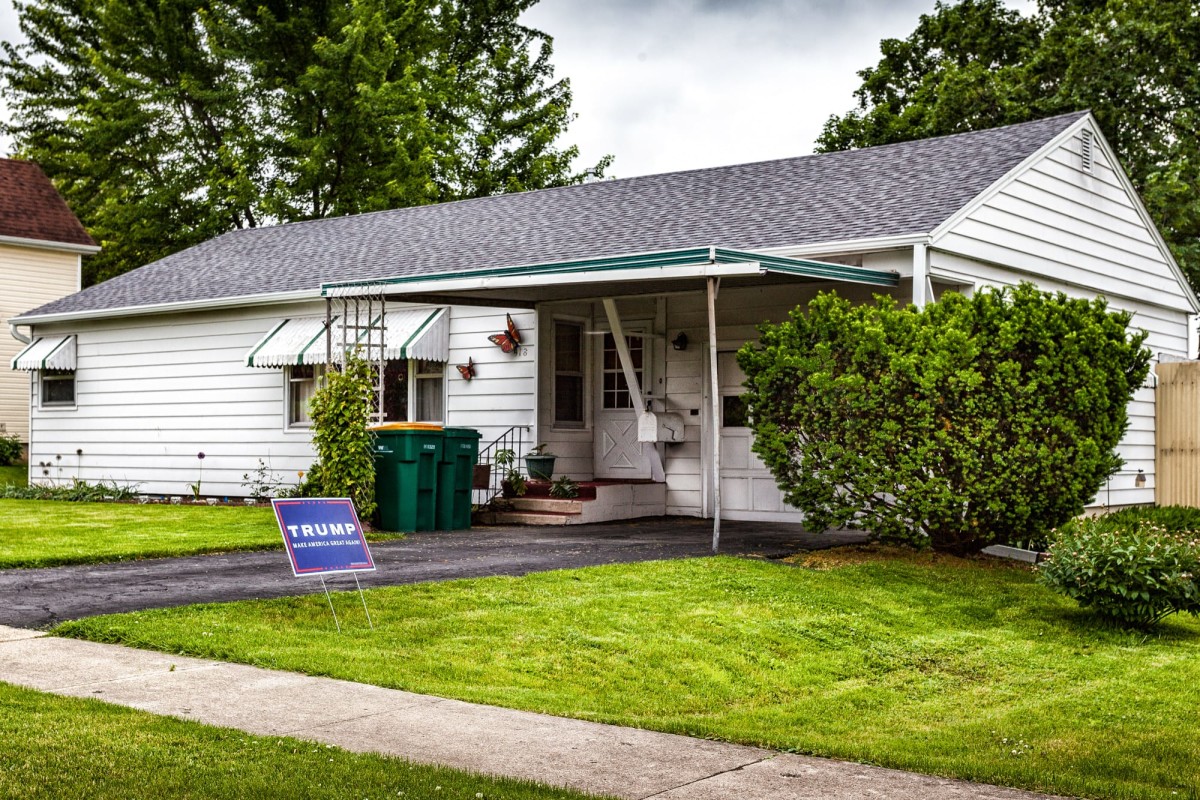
(503,392)
(1054,221)
(29,277)
(154,391)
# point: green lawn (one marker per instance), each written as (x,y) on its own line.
(17,475)
(47,533)
(63,747)
(935,665)
(43,533)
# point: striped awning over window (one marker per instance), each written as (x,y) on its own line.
(47,352)
(422,333)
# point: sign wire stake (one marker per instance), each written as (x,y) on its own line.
(330,599)
(363,597)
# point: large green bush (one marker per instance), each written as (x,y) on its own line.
(341,414)
(1134,567)
(974,421)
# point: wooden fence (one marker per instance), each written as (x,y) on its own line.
(1177,425)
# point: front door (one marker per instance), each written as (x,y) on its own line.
(618,453)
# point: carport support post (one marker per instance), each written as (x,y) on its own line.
(714,389)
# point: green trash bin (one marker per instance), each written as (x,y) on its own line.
(456,473)
(406,474)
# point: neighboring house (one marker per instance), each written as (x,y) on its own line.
(41,243)
(217,348)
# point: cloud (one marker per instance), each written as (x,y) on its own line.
(679,84)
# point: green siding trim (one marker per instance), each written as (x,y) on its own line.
(694,256)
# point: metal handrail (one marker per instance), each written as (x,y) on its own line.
(512,439)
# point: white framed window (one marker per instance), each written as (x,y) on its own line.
(409,384)
(301,382)
(569,384)
(57,388)
(414,391)
(428,390)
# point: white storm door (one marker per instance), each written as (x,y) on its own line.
(618,453)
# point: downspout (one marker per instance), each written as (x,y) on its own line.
(20,337)
(714,284)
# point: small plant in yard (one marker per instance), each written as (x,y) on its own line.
(564,488)
(1130,570)
(195,487)
(10,449)
(513,483)
(262,484)
(341,412)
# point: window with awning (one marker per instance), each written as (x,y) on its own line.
(416,349)
(408,333)
(47,352)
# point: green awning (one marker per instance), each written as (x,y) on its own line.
(656,262)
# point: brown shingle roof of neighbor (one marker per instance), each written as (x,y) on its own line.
(31,208)
(892,190)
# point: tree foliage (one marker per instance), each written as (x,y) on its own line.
(971,422)
(167,122)
(341,414)
(977,64)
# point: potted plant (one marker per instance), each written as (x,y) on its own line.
(513,482)
(540,463)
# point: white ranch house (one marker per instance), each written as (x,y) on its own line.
(216,349)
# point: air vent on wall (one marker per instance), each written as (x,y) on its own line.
(1087,151)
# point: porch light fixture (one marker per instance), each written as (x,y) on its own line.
(1140,480)
(680,341)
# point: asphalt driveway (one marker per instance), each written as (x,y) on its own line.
(37,598)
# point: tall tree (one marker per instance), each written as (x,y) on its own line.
(976,64)
(167,122)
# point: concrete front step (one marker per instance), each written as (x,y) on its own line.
(609,501)
(551,504)
(523,518)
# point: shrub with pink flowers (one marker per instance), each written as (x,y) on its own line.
(1134,568)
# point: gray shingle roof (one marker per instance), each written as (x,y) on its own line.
(896,189)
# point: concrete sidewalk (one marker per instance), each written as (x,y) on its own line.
(604,759)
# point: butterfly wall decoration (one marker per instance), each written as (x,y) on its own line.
(467,370)
(507,340)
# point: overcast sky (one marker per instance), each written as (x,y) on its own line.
(680,84)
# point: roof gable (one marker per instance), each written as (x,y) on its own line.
(31,208)
(893,190)
(1070,213)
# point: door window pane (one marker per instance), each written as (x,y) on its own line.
(615,394)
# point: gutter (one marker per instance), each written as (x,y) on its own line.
(167,308)
(844,246)
(46,244)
